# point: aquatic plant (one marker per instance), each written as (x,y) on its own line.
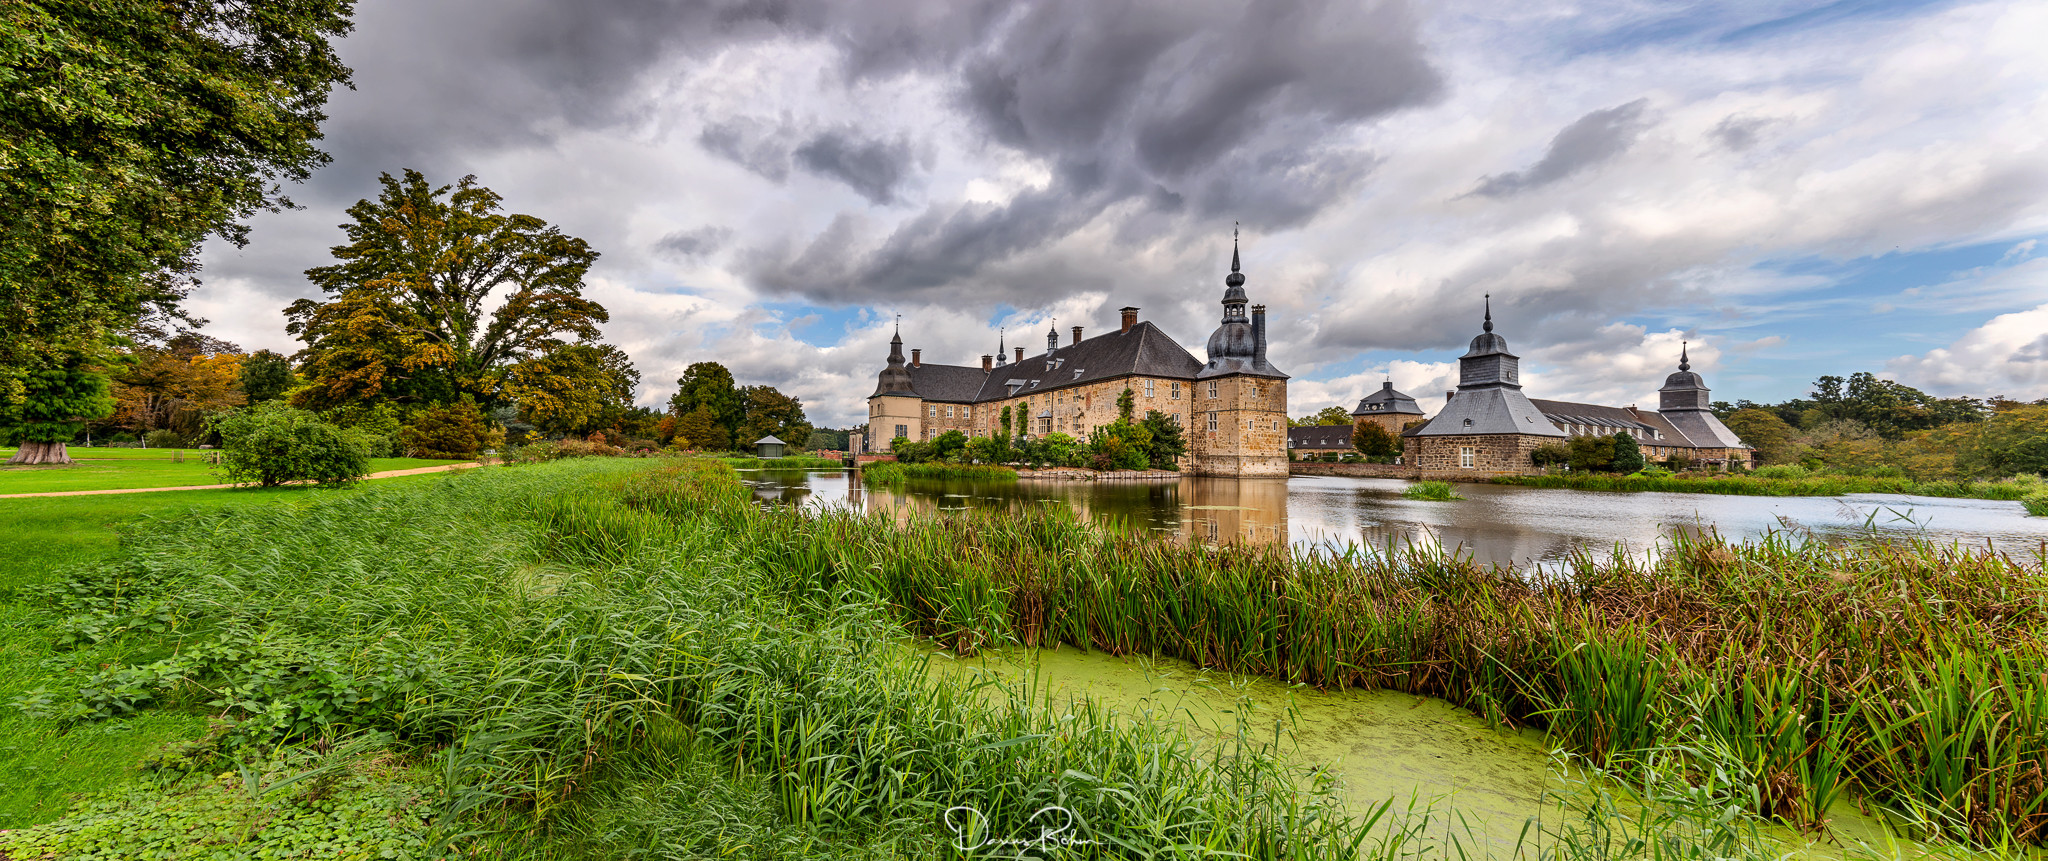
(1434,491)
(892,472)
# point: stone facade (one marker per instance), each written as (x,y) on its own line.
(1475,454)
(1241,429)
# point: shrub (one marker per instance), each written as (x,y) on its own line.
(1782,471)
(271,443)
(1628,457)
(164,438)
(455,431)
(1433,491)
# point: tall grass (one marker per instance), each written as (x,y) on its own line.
(892,472)
(1785,483)
(1434,491)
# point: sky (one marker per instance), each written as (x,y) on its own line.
(1792,187)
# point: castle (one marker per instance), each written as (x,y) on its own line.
(1233,407)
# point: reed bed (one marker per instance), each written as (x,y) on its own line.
(795,461)
(1804,485)
(1432,491)
(892,472)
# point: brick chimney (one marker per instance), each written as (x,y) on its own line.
(988,363)
(1020,354)
(1449,395)
(917,358)
(1077,334)
(1130,317)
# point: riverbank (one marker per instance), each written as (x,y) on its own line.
(597,658)
(893,472)
(1811,485)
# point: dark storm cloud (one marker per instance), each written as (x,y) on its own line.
(751,144)
(686,244)
(871,167)
(1588,141)
(1200,110)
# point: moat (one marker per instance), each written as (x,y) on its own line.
(1508,525)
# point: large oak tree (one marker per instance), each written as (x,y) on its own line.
(130,131)
(410,314)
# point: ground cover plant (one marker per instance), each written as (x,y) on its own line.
(1785,481)
(117,468)
(612,657)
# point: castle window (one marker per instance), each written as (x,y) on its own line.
(949,412)
(1212,417)
(1212,390)
(902,431)
(1468,422)
(1174,392)
(935,412)
(1148,387)
(1465,453)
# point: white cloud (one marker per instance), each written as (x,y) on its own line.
(2007,356)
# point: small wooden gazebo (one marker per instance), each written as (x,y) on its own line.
(769,446)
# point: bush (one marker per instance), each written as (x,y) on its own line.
(164,439)
(271,443)
(455,431)
(1550,454)
(1628,457)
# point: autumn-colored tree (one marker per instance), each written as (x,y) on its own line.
(175,385)
(568,390)
(54,406)
(702,431)
(770,412)
(405,316)
(454,431)
(1775,441)
(129,133)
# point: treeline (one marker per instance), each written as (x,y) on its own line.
(1862,425)
(1154,442)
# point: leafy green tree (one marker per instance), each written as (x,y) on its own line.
(1550,454)
(1376,443)
(129,133)
(949,446)
(710,386)
(1120,445)
(570,390)
(772,412)
(266,376)
(404,317)
(701,430)
(1592,454)
(2013,441)
(54,405)
(1326,417)
(1168,442)
(1775,441)
(985,449)
(271,443)
(1628,456)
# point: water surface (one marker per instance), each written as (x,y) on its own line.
(1494,523)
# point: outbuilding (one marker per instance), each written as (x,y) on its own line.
(769,446)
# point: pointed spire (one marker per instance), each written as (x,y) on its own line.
(1236,276)
(1684,362)
(1489,313)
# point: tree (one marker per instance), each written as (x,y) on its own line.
(1761,429)
(1376,443)
(710,386)
(457,431)
(1126,404)
(1628,456)
(176,384)
(1327,417)
(570,389)
(271,443)
(54,405)
(2011,442)
(129,133)
(1168,442)
(770,412)
(1550,454)
(949,446)
(1592,453)
(405,319)
(266,376)
(703,431)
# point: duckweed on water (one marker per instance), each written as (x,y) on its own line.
(604,659)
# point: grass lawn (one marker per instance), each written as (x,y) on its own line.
(112,468)
(39,773)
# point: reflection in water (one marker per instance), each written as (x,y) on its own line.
(1494,523)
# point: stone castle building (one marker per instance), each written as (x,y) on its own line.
(1233,407)
(1487,425)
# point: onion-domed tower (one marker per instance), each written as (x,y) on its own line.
(1240,409)
(895,409)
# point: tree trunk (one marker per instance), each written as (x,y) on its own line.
(41,452)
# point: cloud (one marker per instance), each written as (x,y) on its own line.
(2006,356)
(697,242)
(1589,141)
(871,167)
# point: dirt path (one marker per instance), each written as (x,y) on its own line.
(391,473)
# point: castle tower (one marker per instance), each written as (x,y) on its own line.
(1687,403)
(1238,422)
(895,409)
(1488,425)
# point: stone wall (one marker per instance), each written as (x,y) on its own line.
(1250,435)
(1357,470)
(1493,454)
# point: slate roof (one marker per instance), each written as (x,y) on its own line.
(1690,428)
(1704,429)
(1488,410)
(1323,437)
(1566,412)
(1390,402)
(1144,350)
(770,439)
(948,383)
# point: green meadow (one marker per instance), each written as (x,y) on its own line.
(121,468)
